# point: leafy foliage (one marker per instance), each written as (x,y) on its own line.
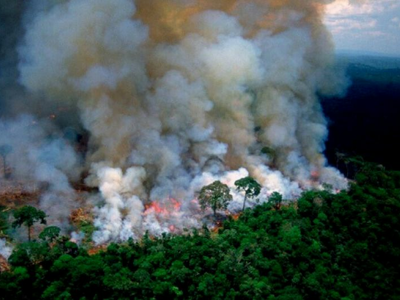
(269,151)
(50,233)
(87,228)
(276,200)
(250,186)
(3,220)
(215,195)
(324,246)
(28,215)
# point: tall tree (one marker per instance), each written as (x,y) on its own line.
(5,150)
(216,195)
(28,215)
(276,200)
(250,187)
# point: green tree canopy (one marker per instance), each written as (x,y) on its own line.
(323,246)
(250,186)
(276,200)
(3,220)
(50,233)
(216,195)
(28,215)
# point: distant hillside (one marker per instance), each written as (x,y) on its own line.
(367,120)
(373,60)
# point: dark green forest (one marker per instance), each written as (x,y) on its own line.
(365,122)
(324,246)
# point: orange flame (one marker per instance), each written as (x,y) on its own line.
(236,217)
(315,174)
(163,208)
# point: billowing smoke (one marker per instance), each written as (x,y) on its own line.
(41,161)
(5,250)
(178,93)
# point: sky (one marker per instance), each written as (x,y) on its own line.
(365,25)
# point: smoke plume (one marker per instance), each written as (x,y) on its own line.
(178,93)
(43,161)
(5,250)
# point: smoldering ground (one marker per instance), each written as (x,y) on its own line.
(175,94)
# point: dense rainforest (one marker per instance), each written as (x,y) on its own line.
(366,121)
(323,246)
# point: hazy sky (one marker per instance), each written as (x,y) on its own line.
(367,26)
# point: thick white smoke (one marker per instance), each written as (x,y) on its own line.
(177,94)
(5,250)
(41,159)
(122,214)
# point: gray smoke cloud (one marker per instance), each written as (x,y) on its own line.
(177,94)
(5,249)
(44,161)
(10,34)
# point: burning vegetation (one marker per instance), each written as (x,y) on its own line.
(150,102)
(141,131)
(308,249)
